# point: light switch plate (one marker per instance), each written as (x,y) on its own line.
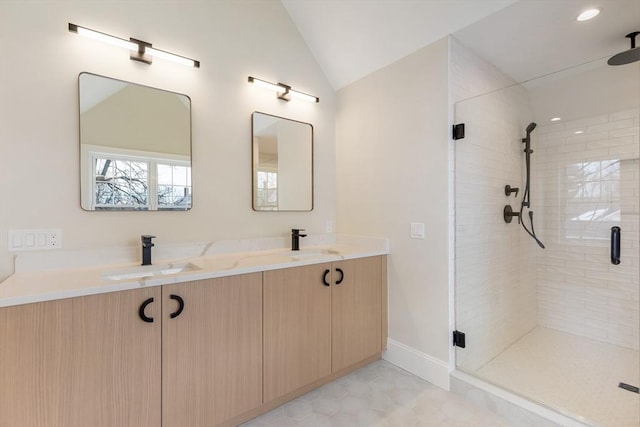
(417,230)
(34,240)
(329,226)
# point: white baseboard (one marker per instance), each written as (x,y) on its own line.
(420,364)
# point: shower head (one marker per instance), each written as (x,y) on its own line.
(628,56)
(527,139)
(531,127)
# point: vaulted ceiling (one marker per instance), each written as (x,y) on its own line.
(525,38)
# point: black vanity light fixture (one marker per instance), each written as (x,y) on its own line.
(283,91)
(139,50)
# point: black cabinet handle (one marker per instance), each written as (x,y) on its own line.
(339,270)
(324,278)
(180,305)
(143,306)
(615,245)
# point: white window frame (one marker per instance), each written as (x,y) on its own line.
(89,154)
(268,170)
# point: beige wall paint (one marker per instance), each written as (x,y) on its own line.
(392,162)
(39,156)
(139,118)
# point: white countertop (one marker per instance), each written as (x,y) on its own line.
(37,279)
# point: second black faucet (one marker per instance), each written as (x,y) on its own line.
(295,238)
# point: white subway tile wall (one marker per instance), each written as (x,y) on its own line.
(495,276)
(585,184)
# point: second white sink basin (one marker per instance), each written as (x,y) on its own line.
(146,271)
(310,253)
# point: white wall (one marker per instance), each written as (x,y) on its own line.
(39,151)
(579,290)
(392,163)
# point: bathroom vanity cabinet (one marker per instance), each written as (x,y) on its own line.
(297,329)
(356,311)
(212,352)
(318,320)
(92,361)
(87,361)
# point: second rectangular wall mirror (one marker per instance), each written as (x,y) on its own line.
(282,164)
(135,146)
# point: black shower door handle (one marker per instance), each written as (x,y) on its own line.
(615,245)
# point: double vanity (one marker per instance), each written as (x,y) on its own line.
(215,338)
(208,334)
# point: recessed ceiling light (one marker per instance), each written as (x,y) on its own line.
(588,14)
(556,119)
(578,132)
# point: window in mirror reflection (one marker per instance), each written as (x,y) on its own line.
(121,184)
(140,183)
(267,190)
(174,187)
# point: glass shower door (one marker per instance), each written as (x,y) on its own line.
(557,325)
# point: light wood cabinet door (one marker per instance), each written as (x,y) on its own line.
(79,362)
(212,350)
(297,328)
(356,311)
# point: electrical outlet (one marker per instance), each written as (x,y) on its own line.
(34,240)
(54,239)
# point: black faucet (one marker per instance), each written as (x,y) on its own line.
(146,248)
(295,238)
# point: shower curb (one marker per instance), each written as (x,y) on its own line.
(520,411)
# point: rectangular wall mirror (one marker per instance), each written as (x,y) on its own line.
(282,164)
(135,146)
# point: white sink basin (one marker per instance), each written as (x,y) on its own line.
(310,253)
(146,271)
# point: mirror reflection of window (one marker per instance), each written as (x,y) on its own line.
(135,146)
(267,190)
(174,187)
(140,183)
(121,184)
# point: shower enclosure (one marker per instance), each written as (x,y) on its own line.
(555,323)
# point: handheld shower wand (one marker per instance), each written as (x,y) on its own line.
(526,196)
(527,151)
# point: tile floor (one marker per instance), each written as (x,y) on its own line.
(378,395)
(573,374)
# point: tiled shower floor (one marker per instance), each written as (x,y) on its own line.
(379,395)
(571,372)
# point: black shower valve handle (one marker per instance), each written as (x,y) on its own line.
(508,190)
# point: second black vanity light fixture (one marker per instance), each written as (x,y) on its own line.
(283,92)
